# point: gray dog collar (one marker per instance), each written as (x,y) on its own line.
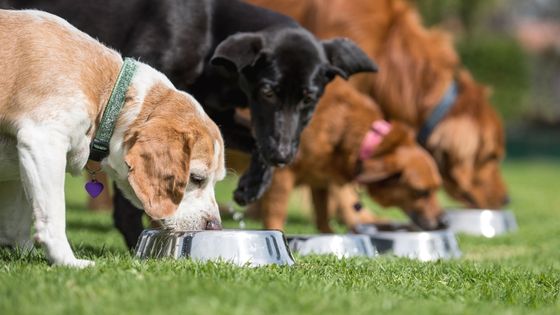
(99,148)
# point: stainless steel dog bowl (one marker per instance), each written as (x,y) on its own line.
(488,223)
(404,241)
(341,246)
(240,247)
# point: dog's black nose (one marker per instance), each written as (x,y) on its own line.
(281,157)
(213,225)
(284,154)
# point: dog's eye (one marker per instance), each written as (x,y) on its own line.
(197,180)
(422,193)
(267,91)
(310,95)
(491,158)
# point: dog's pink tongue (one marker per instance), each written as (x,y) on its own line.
(94,188)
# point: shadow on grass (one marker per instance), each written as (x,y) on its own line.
(89,226)
(77,206)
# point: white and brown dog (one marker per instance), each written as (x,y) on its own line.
(165,153)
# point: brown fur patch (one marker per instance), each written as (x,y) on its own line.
(42,57)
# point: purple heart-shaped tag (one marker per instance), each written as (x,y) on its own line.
(94,188)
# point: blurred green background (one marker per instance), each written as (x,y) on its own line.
(491,52)
(505,45)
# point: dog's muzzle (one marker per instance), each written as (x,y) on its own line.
(279,154)
(213,225)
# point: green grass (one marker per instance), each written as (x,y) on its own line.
(513,274)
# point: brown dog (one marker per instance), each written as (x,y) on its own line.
(417,67)
(397,172)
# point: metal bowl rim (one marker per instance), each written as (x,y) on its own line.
(435,233)
(239,231)
(308,236)
(477,211)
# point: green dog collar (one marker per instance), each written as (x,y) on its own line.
(99,148)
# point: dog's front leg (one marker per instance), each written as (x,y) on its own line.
(274,203)
(321,206)
(253,184)
(42,158)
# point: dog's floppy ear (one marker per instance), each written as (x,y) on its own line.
(377,169)
(400,135)
(159,160)
(238,51)
(346,58)
(420,170)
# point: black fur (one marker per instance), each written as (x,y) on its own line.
(227,54)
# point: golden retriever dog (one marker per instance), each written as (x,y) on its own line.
(418,68)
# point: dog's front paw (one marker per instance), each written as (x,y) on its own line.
(76,263)
(251,188)
(247,192)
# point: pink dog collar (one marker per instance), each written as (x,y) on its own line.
(374,136)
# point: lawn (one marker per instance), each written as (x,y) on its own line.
(514,274)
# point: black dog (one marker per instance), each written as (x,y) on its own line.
(227,54)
